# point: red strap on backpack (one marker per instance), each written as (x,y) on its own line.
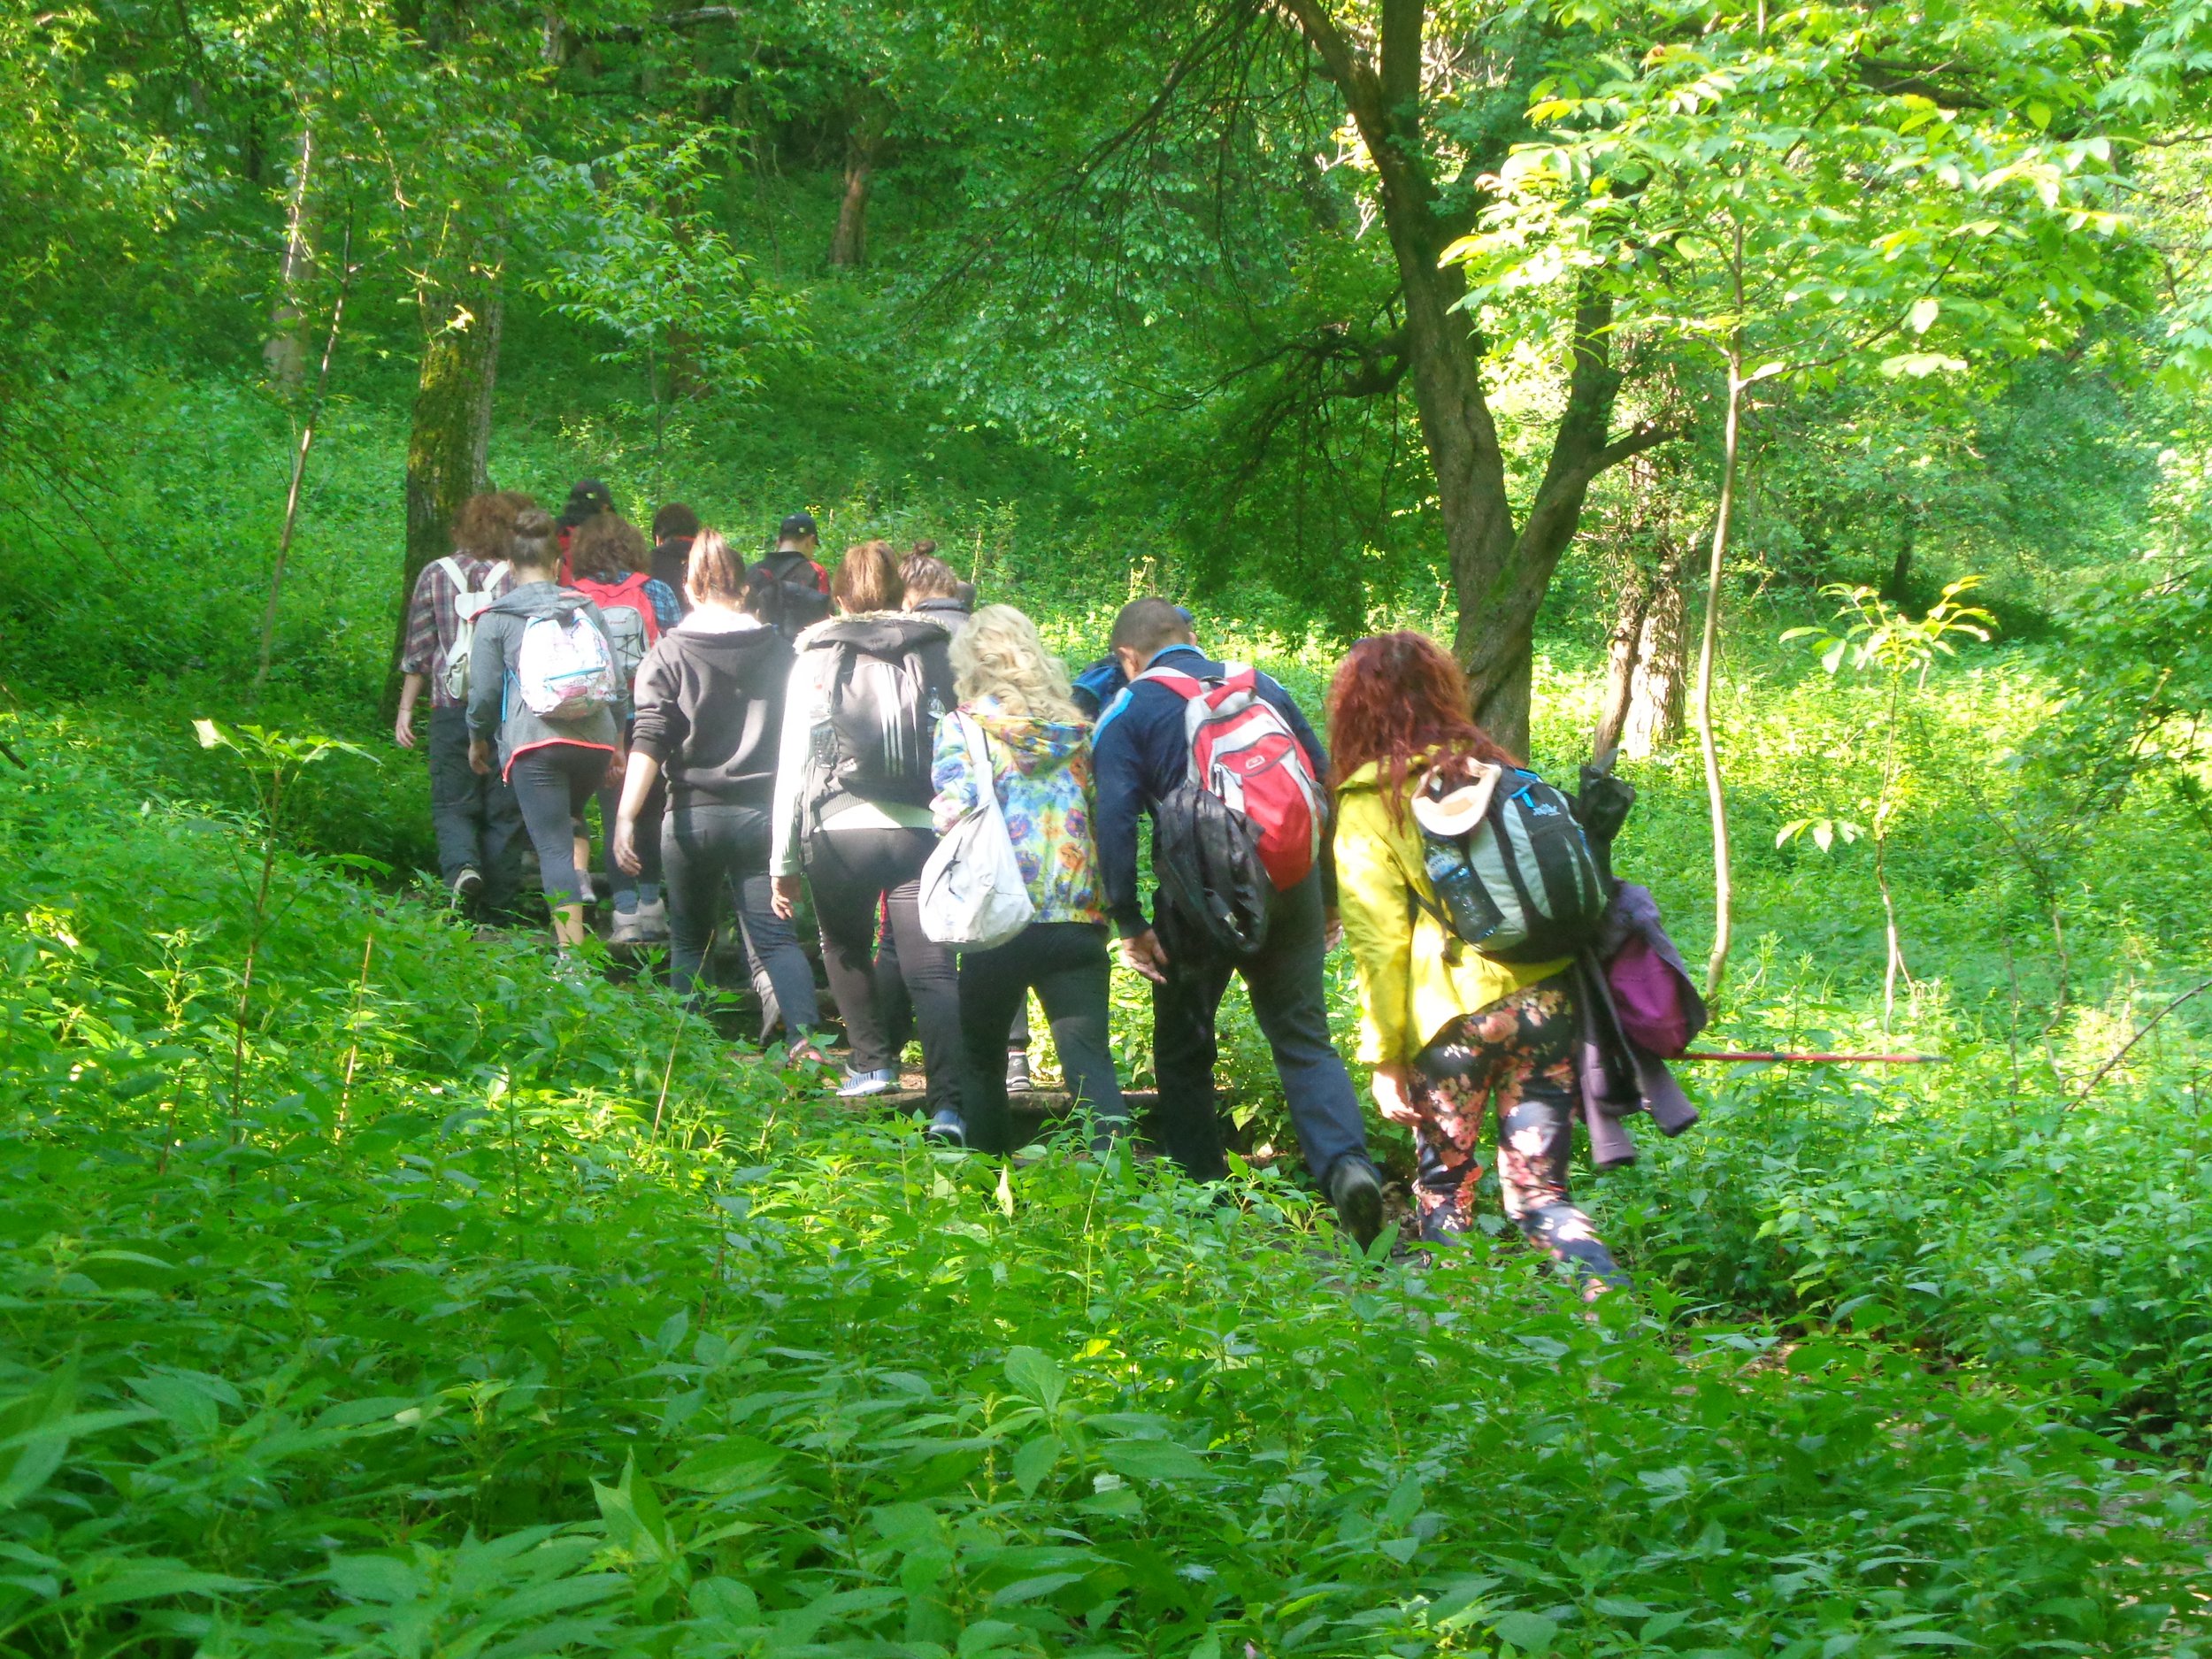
(629,593)
(1244,751)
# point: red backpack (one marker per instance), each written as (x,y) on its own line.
(1243,752)
(630,639)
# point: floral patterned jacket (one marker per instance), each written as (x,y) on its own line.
(1041,770)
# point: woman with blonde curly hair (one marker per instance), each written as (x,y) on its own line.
(1036,757)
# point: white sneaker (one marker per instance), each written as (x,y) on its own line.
(860,1085)
(652,922)
(628,928)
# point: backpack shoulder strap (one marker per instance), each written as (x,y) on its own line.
(498,573)
(1184,685)
(455,574)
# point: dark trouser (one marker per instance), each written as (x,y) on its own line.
(1519,1049)
(898,1008)
(1291,1007)
(476,820)
(553,784)
(620,883)
(708,847)
(853,871)
(1065,963)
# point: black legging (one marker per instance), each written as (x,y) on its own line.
(1065,962)
(852,871)
(552,784)
(708,847)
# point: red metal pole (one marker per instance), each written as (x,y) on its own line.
(1779,1057)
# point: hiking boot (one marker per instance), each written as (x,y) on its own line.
(468,887)
(1018,1071)
(860,1084)
(947,1130)
(1357,1196)
(652,922)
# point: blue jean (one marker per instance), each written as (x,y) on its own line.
(1291,1003)
(476,818)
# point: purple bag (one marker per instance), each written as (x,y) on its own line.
(1649,998)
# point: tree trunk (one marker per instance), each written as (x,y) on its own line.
(1654,703)
(1622,648)
(1717,800)
(284,355)
(1896,588)
(864,137)
(1499,576)
(299,470)
(447,448)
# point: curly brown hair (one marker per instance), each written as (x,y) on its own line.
(1397,699)
(606,548)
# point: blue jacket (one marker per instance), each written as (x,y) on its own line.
(1139,758)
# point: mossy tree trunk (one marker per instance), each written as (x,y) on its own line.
(449,446)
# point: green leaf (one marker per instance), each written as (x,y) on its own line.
(729,1602)
(1152,1460)
(1036,1376)
(1032,1589)
(1034,1462)
(1531,1632)
(373,1578)
(153,1581)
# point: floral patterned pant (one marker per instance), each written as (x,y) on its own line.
(1520,1049)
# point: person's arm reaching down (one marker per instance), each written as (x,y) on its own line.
(1118,776)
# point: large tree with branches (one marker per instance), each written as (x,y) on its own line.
(1379,58)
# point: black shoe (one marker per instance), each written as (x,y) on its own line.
(1357,1196)
(1018,1071)
(468,887)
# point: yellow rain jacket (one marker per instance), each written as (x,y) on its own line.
(1409,991)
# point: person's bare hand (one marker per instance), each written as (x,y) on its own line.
(625,847)
(1392,1099)
(480,758)
(615,765)
(785,900)
(1331,930)
(1142,952)
(404,729)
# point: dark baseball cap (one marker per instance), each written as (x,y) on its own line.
(798,524)
(587,497)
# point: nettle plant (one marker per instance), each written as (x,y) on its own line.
(1898,648)
(272,763)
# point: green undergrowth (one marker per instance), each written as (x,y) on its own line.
(423,1320)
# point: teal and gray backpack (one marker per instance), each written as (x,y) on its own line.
(1512,870)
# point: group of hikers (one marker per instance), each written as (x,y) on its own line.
(965,819)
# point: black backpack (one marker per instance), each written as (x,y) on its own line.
(1207,857)
(1520,886)
(884,703)
(785,591)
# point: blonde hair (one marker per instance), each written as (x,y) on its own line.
(999,655)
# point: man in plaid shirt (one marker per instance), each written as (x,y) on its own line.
(477,821)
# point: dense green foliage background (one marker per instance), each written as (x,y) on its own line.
(420,1302)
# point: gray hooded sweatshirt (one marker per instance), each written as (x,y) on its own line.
(495,705)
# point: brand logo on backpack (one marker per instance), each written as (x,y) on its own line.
(885,700)
(1510,866)
(1247,821)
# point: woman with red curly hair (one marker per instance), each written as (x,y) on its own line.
(1447,1029)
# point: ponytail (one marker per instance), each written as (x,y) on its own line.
(714,576)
